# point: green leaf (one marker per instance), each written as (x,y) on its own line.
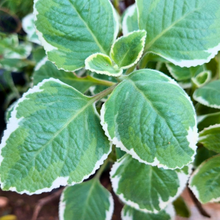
(183,73)
(29,27)
(128,213)
(72,30)
(202,78)
(150,117)
(9,111)
(184,32)
(11,49)
(144,187)
(50,140)
(209,94)
(13,65)
(127,50)
(99,88)
(181,207)
(88,200)
(38,54)
(202,155)
(210,138)
(179,73)
(102,64)
(45,69)
(205,121)
(130,20)
(18,7)
(205,181)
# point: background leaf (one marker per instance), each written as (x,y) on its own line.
(209,94)
(205,181)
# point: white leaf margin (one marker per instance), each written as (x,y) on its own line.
(169,210)
(29,28)
(194,188)
(211,52)
(108,213)
(182,177)
(13,124)
(143,39)
(192,133)
(198,84)
(91,57)
(128,13)
(201,138)
(203,101)
(48,47)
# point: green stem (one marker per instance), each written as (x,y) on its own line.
(144,61)
(30,63)
(10,82)
(100,81)
(103,93)
(131,69)
(2,88)
(116,5)
(102,168)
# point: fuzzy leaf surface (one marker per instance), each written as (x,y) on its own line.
(127,50)
(88,200)
(53,138)
(72,30)
(209,94)
(184,32)
(144,187)
(205,181)
(151,118)
(129,213)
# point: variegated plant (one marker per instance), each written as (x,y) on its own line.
(112,98)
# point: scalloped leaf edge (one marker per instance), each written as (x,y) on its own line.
(13,125)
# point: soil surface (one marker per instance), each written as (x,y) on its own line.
(22,206)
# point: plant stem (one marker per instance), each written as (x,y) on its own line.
(116,5)
(198,204)
(100,81)
(102,168)
(103,93)
(144,61)
(131,69)
(10,82)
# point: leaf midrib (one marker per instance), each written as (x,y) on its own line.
(90,31)
(88,199)
(151,104)
(60,130)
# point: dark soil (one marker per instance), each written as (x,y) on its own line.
(22,206)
